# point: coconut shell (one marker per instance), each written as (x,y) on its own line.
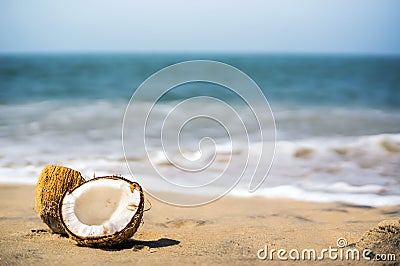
(118,237)
(53,183)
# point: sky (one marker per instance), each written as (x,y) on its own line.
(301,26)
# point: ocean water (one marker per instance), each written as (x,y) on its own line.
(337,122)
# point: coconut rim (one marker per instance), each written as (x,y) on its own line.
(128,226)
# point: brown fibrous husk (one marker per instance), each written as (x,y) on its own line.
(382,239)
(53,183)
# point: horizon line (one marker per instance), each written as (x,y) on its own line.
(208,52)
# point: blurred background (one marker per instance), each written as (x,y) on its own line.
(329,69)
(306,26)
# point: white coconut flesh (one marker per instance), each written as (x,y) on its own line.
(100,207)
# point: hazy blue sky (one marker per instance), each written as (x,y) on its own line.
(341,26)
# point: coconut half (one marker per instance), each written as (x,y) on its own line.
(53,182)
(102,212)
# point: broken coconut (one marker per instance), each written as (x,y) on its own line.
(382,239)
(102,212)
(53,182)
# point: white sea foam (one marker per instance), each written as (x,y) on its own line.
(358,162)
(296,193)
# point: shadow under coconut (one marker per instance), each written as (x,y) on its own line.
(140,244)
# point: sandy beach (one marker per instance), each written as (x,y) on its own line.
(230,231)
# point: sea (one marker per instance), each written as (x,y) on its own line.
(335,136)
